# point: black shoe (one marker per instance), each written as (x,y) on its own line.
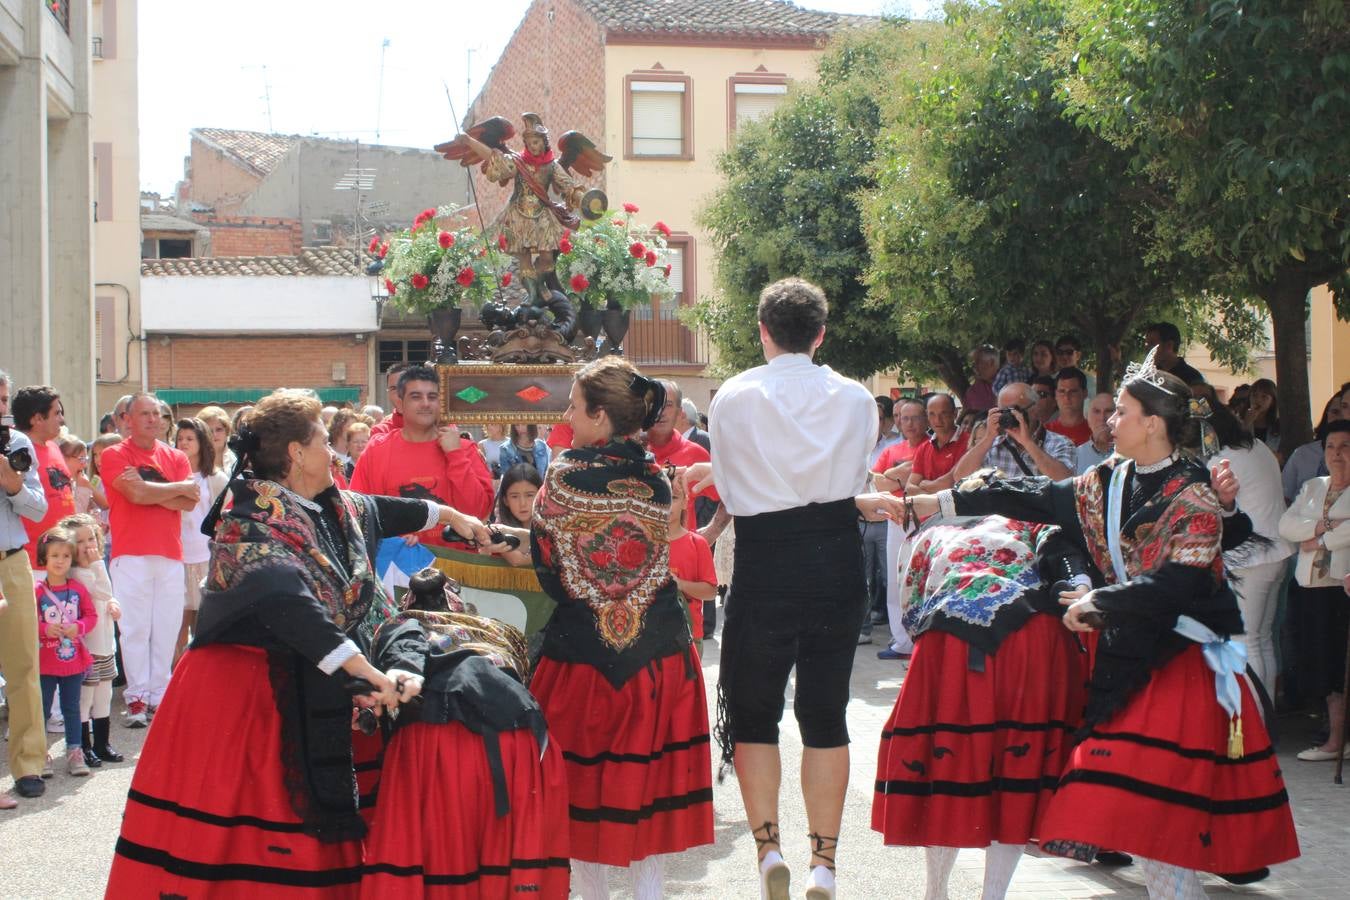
(1114,858)
(90,757)
(102,748)
(1246,877)
(30,786)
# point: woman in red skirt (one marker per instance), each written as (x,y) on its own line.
(618,681)
(472,788)
(983,725)
(1173,762)
(246,784)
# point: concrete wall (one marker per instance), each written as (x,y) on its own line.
(300,186)
(554,66)
(46,232)
(117,231)
(216,180)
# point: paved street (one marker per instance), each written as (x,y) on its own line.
(61,845)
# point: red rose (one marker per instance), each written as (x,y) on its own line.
(650,258)
(374,244)
(506,279)
(637,249)
(428,214)
(580,282)
(384,249)
(667,270)
(445,239)
(601,559)
(663,228)
(389,286)
(465,276)
(619,222)
(420,281)
(564,246)
(632,553)
(630,208)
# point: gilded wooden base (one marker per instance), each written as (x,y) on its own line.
(475,393)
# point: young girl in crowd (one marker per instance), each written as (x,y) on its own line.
(194,439)
(524,445)
(65,615)
(97,688)
(101,443)
(76,453)
(515,505)
(691,561)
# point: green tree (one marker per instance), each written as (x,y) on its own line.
(789,206)
(994,213)
(1238,109)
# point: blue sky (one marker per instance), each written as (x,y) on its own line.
(320,63)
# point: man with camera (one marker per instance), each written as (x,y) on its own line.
(21,498)
(1016,443)
(38,413)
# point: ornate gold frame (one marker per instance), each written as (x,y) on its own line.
(556,377)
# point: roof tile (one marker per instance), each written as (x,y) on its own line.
(257,149)
(758,17)
(312,261)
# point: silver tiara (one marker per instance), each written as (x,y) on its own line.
(1147,372)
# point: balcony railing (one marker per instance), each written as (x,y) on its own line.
(658,338)
(97,50)
(60,9)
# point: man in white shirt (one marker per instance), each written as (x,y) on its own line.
(792,442)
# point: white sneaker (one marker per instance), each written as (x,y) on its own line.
(774,877)
(56,725)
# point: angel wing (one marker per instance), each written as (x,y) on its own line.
(579,152)
(473,146)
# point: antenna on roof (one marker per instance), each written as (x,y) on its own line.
(267,94)
(379,98)
(359,181)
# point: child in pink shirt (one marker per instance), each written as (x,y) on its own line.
(65,614)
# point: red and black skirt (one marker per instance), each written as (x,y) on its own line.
(639,770)
(1156,780)
(208,813)
(971,757)
(436,832)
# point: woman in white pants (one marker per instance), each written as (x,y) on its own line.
(1258,566)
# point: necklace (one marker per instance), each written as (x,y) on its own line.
(1155,467)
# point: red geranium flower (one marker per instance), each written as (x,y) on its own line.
(384,249)
(374,244)
(619,222)
(446,239)
(580,282)
(564,246)
(465,276)
(650,258)
(663,228)
(631,554)
(506,279)
(428,214)
(637,249)
(390,286)
(420,281)
(667,270)
(630,208)
(501,242)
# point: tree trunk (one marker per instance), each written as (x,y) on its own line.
(1106,366)
(1286,298)
(952,372)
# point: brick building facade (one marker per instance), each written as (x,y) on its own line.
(244,362)
(252,235)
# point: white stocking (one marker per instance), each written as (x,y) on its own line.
(999,862)
(648,877)
(939,861)
(590,880)
(1168,882)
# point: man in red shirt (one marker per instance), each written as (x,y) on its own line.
(423,458)
(668,446)
(150,486)
(1070,391)
(393,421)
(39,414)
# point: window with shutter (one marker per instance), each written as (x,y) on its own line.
(756,101)
(98,343)
(658,117)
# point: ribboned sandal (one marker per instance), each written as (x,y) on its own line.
(774,877)
(820,886)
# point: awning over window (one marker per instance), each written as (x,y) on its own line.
(176,396)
